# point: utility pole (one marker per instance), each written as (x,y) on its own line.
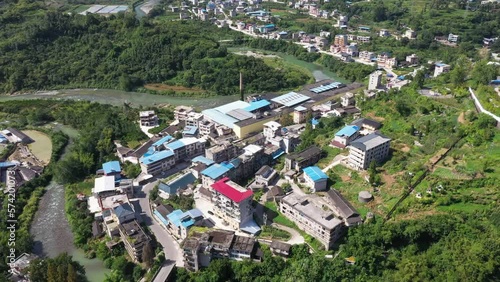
(241,87)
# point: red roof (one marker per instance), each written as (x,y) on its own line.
(236,196)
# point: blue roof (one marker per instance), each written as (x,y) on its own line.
(269,25)
(347,131)
(178,218)
(255,105)
(158,156)
(440,65)
(110,167)
(283,32)
(123,210)
(176,145)
(278,153)
(3,137)
(314,121)
(315,173)
(190,130)
(163,140)
(179,183)
(250,226)
(7,164)
(220,117)
(202,159)
(163,220)
(194,213)
(401,77)
(217,170)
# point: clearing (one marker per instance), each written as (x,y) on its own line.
(42,147)
(176,88)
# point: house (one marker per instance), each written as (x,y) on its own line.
(190,131)
(181,182)
(266,176)
(344,57)
(104,186)
(275,194)
(342,21)
(410,34)
(375,80)
(343,208)
(366,56)
(347,100)
(126,186)
(201,247)
(134,239)
(441,68)
(299,114)
(453,38)
(391,63)
(181,112)
(124,213)
(384,33)
(233,204)
(412,59)
(367,124)
(315,178)
(16,136)
(222,152)
(179,222)
(312,48)
(20,266)
(148,118)
(372,147)
(307,157)
(280,248)
(112,168)
(345,136)
(313,217)
(272,129)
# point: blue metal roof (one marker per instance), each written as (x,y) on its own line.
(347,131)
(158,156)
(110,167)
(278,154)
(7,164)
(326,87)
(194,213)
(179,183)
(176,217)
(270,26)
(215,171)
(255,105)
(190,130)
(202,159)
(314,121)
(220,117)
(163,220)
(315,173)
(163,140)
(176,145)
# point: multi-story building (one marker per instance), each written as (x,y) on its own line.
(266,176)
(366,56)
(233,203)
(200,248)
(342,208)
(363,39)
(452,38)
(410,34)
(222,152)
(186,148)
(312,217)
(148,118)
(372,147)
(134,239)
(412,59)
(384,33)
(347,100)
(178,222)
(181,112)
(215,173)
(272,129)
(391,63)
(340,40)
(307,157)
(375,80)
(206,127)
(299,114)
(342,21)
(441,68)
(345,136)
(193,119)
(315,178)
(158,162)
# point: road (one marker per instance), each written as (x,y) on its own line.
(336,161)
(296,237)
(173,253)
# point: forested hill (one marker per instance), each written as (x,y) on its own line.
(45,49)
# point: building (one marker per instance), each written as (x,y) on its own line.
(16,136)
(193,119)
(178,222)
(222,152)
(181,182)
(104,186)
(157,163)
(342,21)
(280,248)
(266,175)
(272,129)
(366,56)
(215,173)
(112,168)
(347,100)
(391,63)
(375,80)
(340,40)
(181,112)
(134,239)
(410,34)
(313,217)
(190,131)
(384,33)
(206,127)
(372,147)
(233,203)
(307,157)
(452,38)
(299,114)
(200,248)
(343,208)
(20,266)
(412,59)
(148,118)
(366,124)
(275,193)
(441,68)
(315,178)
(345,136)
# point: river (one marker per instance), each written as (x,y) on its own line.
(51,231)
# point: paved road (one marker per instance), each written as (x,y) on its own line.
(171,248)
(296,237)
(336,161)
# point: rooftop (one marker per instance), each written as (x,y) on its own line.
(191,130)
(347,131)
(309,208)
(290,99)
(315,173)
(344,207)
(256,105)
(273,124)
(366,122)
(146,113)
(243,244)
(104,184)
(158,156)
(111,167)
(123,210)
(181,143)
(178,218)
(300,109)
(309,152)
(370,141)
(178,183)
(231,190)
(217,170)
(202,159)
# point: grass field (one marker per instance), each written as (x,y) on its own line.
(42,147)
(176,88)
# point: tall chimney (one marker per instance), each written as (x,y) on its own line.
(241,87)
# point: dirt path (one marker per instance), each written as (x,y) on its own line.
(461,118)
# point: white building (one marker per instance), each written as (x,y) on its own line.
(412,59)
(410,34)
(375,80)
(272,129)
(347,100)
(372,147)
(452,38)
(345,136)
(315,178)
(384,33)
(441,68)
(181,112)
(148,118)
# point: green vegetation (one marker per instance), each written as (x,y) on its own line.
(490,100)
(60,268)
(403,251)
(270,232)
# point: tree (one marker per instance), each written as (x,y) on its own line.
(419,79)
(147,255)
(286,120)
